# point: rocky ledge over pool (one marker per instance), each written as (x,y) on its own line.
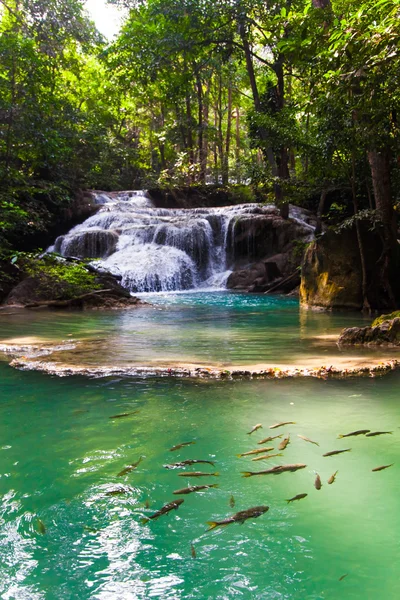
(65,359)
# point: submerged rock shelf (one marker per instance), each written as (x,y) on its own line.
(25,359)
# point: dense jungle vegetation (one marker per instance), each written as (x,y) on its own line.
(297,99)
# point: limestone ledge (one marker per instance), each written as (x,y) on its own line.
(204,372)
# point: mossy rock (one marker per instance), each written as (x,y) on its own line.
(55,279)
(386,333)
(331,273)
(383,318)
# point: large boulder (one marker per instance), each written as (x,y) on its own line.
(386,333)
(331,273)
(266,249)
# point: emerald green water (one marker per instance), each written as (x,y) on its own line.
(220,328)
(60,453)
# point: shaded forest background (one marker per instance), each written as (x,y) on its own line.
(279,101)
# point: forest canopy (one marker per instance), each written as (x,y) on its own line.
(298,99)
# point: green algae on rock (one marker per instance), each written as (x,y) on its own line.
(384,333)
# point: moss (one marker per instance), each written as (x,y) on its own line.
(382,318)
(58,279)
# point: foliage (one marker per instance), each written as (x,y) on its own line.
(56,278)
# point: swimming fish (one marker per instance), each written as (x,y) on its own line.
(194,488)
(198,474)
(332,477)
(178,446)
(270,438)
(258,426)
(306,439)
(118,491)
(239,517)
(231,501)
(383,467)
(275,470)
(188,462)
(41,527)
(358,432)
(124,415)
(284,443)
(317,482)
(374,433)
(130,468)
(334,452)
(343,576)
(193,551)
(266,456)
(298,497)
(282,424)
(257,451)
(164,510)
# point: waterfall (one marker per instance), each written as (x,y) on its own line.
(159,249)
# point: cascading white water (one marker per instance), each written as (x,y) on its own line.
(156,249)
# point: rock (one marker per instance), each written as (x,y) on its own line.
(386,333)
(87,244)
(331,275)
(331,272)
(41,290)
(382,318)
(278,242)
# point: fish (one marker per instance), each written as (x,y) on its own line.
(306,439)
(118,491)
(231,501)
(179,446)
(383,467)
(358,432)
(258,426)
(334,452)
(343,576)
(124,415)
(298,497)
(90,529)
(198,474)
(332,477)
(284,443)
(188,462)
(147,503)
(282,424)
(257,451)
(193,551)
(174,505)
(270,438)
(266,456)
(194,488)
(41,527)
(130,468)
(239,517)
(317,482)
(374,433)
(275,470)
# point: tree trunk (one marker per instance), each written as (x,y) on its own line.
(283,155)
(256,98)
(200,140)
(364,279)
(379,163)
(237,146)
(225,168)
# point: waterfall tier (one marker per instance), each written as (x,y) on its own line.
(159,249)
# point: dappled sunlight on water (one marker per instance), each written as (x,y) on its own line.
(204,328)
